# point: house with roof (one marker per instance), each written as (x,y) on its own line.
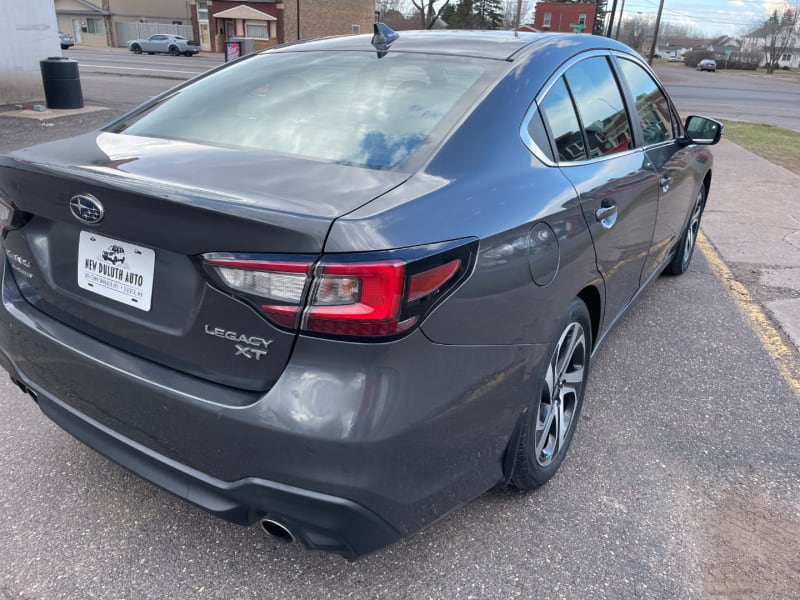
(789,57)
(677,46)
(98,22)
(211,22)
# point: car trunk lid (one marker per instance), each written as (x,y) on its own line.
(132,279)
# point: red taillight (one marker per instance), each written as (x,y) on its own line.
(361,299)
(372,308)
(427,282)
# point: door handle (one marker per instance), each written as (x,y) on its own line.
(607,215)
(665,182)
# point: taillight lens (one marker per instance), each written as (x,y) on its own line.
(278,287)
(10,216)
(375,296)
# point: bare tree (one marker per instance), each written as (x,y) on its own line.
(510,8)
(680,30)
(777,32)
(427,11)
(385,7)
(634,29)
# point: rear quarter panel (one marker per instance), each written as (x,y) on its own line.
(485,183)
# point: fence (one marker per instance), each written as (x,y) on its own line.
(135,31)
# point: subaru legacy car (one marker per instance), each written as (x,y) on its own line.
(165,43)
(363,277)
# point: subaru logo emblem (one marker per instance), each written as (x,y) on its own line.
(86,208)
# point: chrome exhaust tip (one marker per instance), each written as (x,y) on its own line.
(277,530)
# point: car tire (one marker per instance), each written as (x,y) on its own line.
(136,49)
(548,425)
(174,51)
(686,245)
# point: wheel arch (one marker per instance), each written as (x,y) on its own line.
(707,184)
(590,296)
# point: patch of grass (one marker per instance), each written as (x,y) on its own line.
(778,145)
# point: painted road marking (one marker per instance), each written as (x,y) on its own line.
(141,69)
(768,335)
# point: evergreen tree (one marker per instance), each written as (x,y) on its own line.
(474,14)
(600,18)
(459,15)
(489,13)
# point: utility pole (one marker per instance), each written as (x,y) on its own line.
(298,19)
(619,21)
(611,20)
(655,33)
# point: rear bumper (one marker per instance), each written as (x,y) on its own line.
(320,521)
(355,446)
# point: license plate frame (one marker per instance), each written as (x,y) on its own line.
(117,270)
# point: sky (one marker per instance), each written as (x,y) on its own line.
(727,17)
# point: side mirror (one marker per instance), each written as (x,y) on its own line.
(702,130)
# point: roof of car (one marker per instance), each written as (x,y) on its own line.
(498,45)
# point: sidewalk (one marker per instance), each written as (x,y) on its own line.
(753,219)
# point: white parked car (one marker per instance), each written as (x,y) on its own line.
(166,43)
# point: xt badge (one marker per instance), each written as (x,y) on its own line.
(249,346)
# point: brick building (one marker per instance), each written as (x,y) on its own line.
(566,17)
(272,22)
(319,18)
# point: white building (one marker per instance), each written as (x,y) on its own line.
(28,34)
(788,58)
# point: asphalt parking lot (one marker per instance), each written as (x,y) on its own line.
(682,481)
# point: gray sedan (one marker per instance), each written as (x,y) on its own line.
(342,287)
(165,43)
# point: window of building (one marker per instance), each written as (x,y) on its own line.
(202,10)
(355,29)
(547,18)
(582,19)
(786,57)
(256,29)
(94,25)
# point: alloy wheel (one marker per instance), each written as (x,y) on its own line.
(561,394)
(693,229)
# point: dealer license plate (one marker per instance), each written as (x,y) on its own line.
(115,269)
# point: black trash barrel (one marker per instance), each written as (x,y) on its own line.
(62,82)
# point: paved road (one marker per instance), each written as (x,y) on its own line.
(682,483)
(742,96)
(119,61)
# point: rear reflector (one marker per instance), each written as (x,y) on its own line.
(427,282)
(345,296)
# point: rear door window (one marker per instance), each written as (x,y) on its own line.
(559,113)
(600,107)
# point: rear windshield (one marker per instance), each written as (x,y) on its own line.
(348,107)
